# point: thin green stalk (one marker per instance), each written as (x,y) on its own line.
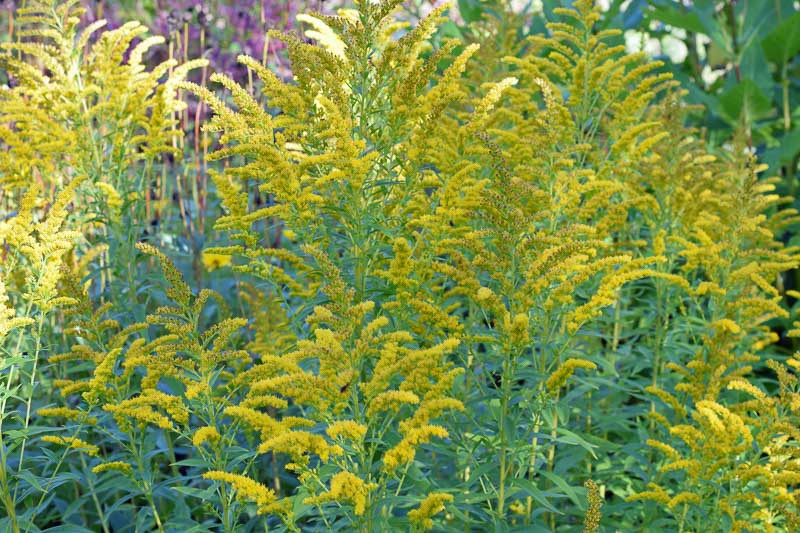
(504,402)
(98,507)
(36,351)
(146,484)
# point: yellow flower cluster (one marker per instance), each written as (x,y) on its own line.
(595,501)
(708,415)
(72,442)
(205,434)
(558,378)
(346,488)
(248,490)
(113,466)
(347,429)
(431,505)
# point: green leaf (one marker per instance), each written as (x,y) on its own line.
(32,480)
(568,437)
(71,528)
(754,66)
(788,147)
(530,489)
(565,488)
(783,42)
(202,494)
(470,10)
(447,29)
(745,100)
(669,15)
(714,27)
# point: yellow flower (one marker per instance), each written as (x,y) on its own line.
(64,412)
(558,378)
(726,325)
(118,466)
(298,444)
(214,261)
(683,497)
(113,199)
(484,293)
(519,328)
(391,400)
(248,490)
(205,434)
(595,501)
(517,507)
(431,505)
(348,429)
(324,35)
(405,450)
(72,442)
(346,487)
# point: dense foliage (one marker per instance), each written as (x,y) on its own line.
(464,277)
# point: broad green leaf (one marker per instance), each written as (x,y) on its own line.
(530,489)
(471,10)
(714,26)
(562,484)
(783,42)
(568,437)
(788,147)
(754,66)
(745,100)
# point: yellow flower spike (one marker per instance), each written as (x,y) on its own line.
(558,378)
(745,386)
(683,497)
(656,494)
(346,488)
(249,490)
(261,422)
(691,466)
(74,443)
(298,444)
(433,504)
(213,261)
(113,466)
(347,429)
(484,294)
(391,400)
(65,412)
(206,434)
(113,199)
(324,35)
(594,497)
(726,325)
(404,452)
(519,330)
(664,448)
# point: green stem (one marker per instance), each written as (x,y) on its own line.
(504,401)
(37,348)
(147,488)
(100,514)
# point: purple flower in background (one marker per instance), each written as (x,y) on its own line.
(225,29)
(219,30)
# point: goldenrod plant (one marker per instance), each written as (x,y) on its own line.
(453,287)
(85,105)
(33,244)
